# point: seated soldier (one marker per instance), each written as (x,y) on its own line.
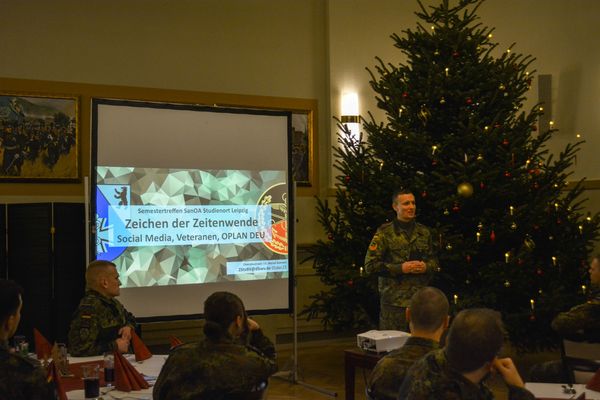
(21,378)
(427,317)
(100,323)
(458,371)
(232,358)
(580,323)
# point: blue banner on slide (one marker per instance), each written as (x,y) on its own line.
(107,196)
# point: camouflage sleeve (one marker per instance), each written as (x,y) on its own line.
(86,335)
(581,322)
(22,380)
(263,344)
(374,259)
(129,318)
(432,263)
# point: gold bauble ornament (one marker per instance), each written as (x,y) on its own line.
(529,243)
(465,189)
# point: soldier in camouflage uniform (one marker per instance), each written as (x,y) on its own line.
(459,370)
(427,318)
(100,323)
(402,254)
(580,323)
(233,356)
(21,378)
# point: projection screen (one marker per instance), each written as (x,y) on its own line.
(189,200)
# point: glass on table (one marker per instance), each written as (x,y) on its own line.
(109,369)
(20,345)
(91,381)
(64,358)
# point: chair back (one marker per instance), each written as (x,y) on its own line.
(581,360)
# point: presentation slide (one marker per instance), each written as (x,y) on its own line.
(171,217)
(190,200)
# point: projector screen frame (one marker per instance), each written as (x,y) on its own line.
(96,102)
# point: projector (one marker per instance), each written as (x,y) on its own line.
(381,341)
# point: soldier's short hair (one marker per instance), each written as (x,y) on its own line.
(428,309)
(10,298)
(475,337)
(400,191)
(220,310)
(96,270)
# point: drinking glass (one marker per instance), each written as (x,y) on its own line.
(91,381)
(109,369)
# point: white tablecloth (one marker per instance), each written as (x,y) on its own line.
(150,368)
(555,391)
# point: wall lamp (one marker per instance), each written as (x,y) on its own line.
(350,115)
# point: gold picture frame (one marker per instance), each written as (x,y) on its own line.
(303,148)
(39,137)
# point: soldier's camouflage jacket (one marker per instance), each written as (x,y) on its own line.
(582,322)
(432,378)
(390,247)
(209,370)
(96,323)
(387,376)
(22,378)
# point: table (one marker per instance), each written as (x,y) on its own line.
(354,358)
(555,391)
(150,367)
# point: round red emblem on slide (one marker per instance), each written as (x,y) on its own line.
(276,197)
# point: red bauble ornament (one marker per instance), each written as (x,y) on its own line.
(539,272)
(536,227)
(481,185)
(330,236)
(505,142)
(350,282)
(434,162)
(493,236)
(455,54)
(347,178)
(405,94)
(532,317)
(424,194)
(507,174)
(558,221)
(469,258)
(456,207)
(536,185)
(520,261)
(469,100)
(497,125)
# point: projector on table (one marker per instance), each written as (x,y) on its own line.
(381,341)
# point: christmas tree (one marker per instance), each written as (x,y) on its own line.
(511,233)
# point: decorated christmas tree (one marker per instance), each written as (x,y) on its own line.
(511,231)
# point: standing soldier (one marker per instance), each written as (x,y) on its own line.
(402,254)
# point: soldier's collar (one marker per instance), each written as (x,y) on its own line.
(404,226)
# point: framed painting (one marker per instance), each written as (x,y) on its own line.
(303,142)
(39,138)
